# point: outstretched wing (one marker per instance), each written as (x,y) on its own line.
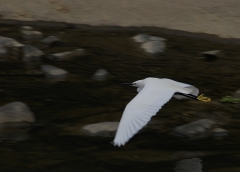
(194,91)
(139,111)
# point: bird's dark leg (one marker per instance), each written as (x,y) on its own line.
(200,98)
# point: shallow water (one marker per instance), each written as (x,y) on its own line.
(56,142)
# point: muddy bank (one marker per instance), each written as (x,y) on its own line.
(214,17)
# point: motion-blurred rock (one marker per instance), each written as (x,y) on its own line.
(15,121)
(15,112)
(101,129)
(51,40)
(219,133)
(10,47)
(31,54)
(29,34)
(145,38)
(67,55)
(200,128)
(100,75)
(151,44)
(9,42)
(78,52)
(26,28)
(211,55)
(154,47)
(60,56)
(53,72)
(3,51)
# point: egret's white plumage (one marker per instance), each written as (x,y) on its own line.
(153,93)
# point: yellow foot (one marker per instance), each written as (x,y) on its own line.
(203,98)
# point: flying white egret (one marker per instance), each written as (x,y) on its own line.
(153,93)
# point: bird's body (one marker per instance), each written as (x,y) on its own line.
(153,93)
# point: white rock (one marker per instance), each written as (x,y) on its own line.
(212,52)
(26,28)
(154,47)
(145,38)
(100,75)
(101,129)
(31,35)
(53,72)
(16,112)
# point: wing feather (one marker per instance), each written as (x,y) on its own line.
(139,111)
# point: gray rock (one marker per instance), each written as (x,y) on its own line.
(15,112)
(9,47)
(15,121)
(51,40)
(78,52)
(67,55)
(200,128)
(189,165)
(101,129)
(32,54)
(53,72)
(100,75)
(145,38)
(211,55)
(60,56)
(219,132)
(29,34)
(154,47)
(3,51)
(9,42)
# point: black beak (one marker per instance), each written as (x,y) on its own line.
(129,84)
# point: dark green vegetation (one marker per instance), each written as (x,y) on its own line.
(62,108)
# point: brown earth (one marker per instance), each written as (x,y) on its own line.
(220,17)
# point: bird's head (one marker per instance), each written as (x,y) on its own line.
(139,84)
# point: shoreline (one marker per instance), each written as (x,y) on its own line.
(121,29)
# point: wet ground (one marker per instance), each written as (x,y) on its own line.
(56,143)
